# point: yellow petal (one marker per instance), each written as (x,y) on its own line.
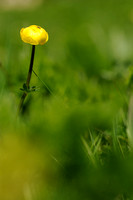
(34,35)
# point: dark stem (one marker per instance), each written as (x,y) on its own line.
(31,66)
(28,79)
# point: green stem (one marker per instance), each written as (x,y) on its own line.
(28,79)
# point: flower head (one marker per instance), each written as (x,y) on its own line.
(34,35)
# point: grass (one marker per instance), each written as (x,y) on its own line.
(74,139)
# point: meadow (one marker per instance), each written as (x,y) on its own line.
(74,138)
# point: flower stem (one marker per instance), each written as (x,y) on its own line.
(28,80)
(31,66)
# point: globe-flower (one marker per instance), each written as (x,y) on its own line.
(34,35)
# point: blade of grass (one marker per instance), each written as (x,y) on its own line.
(89,152)
(43,83)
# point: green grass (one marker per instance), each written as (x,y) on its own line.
(74,139)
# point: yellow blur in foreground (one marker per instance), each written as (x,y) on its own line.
(34,35)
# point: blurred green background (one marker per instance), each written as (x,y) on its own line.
(74,140)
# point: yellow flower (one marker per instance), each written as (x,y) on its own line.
(34,35)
